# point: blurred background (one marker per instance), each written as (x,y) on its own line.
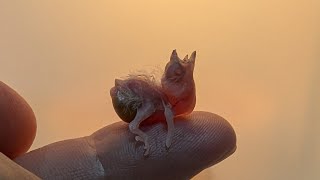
(258,66)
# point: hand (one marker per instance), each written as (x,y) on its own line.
(201,140)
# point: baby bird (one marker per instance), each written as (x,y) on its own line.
(138,97)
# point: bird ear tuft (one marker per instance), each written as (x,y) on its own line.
(174,56)
(193,57)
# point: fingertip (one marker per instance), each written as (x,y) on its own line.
(18,123)
(200,140)
(217,138)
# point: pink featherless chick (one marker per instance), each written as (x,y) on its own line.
(138,97)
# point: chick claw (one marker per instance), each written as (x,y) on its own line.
(168,141)
(146,144)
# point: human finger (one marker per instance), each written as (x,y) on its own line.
(11,170)
(17,123)
(201,140)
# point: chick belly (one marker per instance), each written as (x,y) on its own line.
(184,106)
(127,111)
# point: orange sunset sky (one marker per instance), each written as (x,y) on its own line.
(257,66)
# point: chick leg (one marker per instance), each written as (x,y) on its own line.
(143,113)
(169,118)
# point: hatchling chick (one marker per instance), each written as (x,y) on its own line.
(138,97)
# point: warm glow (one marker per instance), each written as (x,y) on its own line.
(258,66)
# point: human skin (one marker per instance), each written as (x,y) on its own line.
(202,140)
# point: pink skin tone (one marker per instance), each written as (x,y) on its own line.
(175,97)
